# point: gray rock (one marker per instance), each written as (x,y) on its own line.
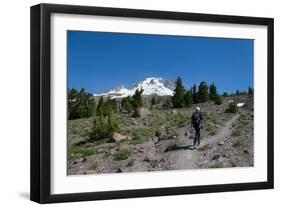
(221,143)
(119,170)
(82,159)
(118,137)
(215,157)
(141,112)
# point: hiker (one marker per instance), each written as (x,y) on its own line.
(197,123)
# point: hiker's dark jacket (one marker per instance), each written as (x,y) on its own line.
(196,120)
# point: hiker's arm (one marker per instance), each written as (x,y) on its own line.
(201,117)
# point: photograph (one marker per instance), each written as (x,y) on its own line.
(149,102)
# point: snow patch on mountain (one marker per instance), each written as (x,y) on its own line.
(150,85)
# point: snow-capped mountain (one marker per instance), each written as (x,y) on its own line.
(151,85)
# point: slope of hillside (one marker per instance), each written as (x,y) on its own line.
(163,141)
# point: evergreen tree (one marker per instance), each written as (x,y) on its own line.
(225,94)
(203,94)
(194,94)
(104,124)
(153,100)
(188,99)
(137,98)
(101,107)
(232,108)
(250,91)
(126,104)
(112,125)
(80,104)
(237,92)
(179,92)
(218,100)
(167,103)
(213,92)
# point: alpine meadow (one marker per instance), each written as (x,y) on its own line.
(143,102)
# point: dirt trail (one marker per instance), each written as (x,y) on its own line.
(185,157)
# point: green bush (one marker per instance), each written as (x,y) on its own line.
(232,108)
(237,143)
(130,163)
(104,126)
(122,154)
(236,133)
(216,165)
(171,147)
(93,166)
(218,100)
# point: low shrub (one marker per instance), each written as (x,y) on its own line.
(122,154)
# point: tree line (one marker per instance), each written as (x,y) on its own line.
(203,93)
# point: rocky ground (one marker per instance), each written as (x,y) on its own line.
(162,141)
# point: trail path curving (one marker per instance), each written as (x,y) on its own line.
(185,157)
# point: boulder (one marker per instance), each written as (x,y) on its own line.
(221,143)
(116,137)
(174,112)
(141,112)
(215,157)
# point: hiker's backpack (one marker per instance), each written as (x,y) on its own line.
(196,119)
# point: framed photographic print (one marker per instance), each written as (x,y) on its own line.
(133,103)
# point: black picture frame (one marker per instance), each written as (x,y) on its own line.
(41,96)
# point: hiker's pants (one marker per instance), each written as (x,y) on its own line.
(197,136)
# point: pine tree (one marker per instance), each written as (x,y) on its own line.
(250,91)
(137,98)
(126,104)
(218,100)
(213,92)
(80,104)
(101,107)
(179,92)
(112,125)
(188,99)
(203,94)
(232,108)
(104,124)
(237,92)
(153,100)
(194,94)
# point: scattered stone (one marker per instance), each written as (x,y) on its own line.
(118,137)
(119,170)
(141,112)
(89,172)
(187,134)
(82,159)
(182,124)
(215,157)
(140,150)
(221,143)
(174,112)
(246,151)
(100,151)
(233,164)
(146,159)
(157,133)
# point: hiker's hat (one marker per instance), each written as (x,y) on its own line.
(197,108)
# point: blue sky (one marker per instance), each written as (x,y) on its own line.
(100,61)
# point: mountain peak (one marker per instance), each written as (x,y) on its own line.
(150,85)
